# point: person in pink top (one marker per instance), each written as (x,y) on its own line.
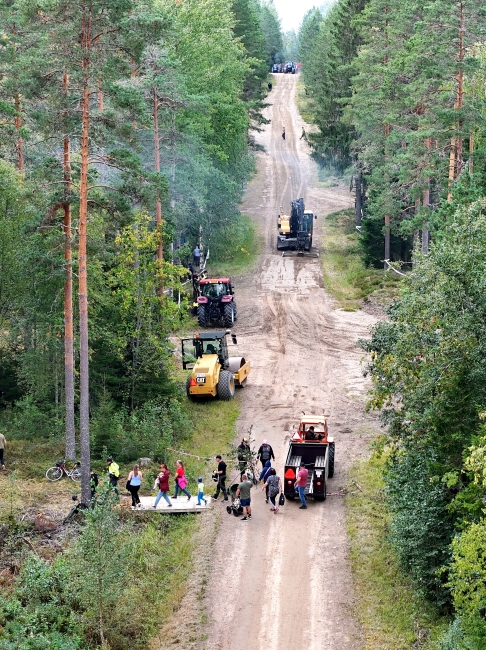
(300,483)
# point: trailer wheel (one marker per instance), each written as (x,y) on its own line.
(202,316)
(229,509)
(228,315)
(188,393)
(331,460)
(322,497)
(226,385)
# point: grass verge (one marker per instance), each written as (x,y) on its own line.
(392,616)
(345,276)
(240,258)
(304,104)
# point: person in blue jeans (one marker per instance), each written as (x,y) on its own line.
(300,484)
(162,482)
(200,491)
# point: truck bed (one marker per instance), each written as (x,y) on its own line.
(315,456)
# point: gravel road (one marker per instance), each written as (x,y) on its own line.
(284,581)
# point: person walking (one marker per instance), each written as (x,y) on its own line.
(265,473)
(274,485)
(244,456)
(196,253)
(243,492)
(113,474)
(134,482)
(265,453)
(283,133)
(180,481)
(3,446)
(300,485)
(200,491)
(221,472)
(303,134)
(162,483)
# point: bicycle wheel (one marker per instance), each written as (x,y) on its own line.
(76,475)
(54,474)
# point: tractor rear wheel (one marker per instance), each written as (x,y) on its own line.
(226,385)
(228,315)
(188,393)
(331,460)
(202,315)
(235,311)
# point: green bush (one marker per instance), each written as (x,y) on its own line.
(422,527)
(468,583)
(147,431)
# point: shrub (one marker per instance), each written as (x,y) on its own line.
(422,527)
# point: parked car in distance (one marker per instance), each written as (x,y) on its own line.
(276,67)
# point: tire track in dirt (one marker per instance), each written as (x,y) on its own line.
(282,581)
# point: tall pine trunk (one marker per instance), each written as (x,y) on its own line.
(83,270)
(68,297)
(158,202)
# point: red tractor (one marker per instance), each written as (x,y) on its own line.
(215,302)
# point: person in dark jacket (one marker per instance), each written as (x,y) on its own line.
(265,453)
(244,456)
(265,473)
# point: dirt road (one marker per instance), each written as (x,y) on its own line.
(284,581)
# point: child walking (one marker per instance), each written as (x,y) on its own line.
(200,492)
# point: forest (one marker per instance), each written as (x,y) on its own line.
(396,91)
(127,138)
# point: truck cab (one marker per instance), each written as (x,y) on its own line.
(310,444)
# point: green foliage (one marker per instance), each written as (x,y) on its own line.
(392,93)
(421,527)
(270,24)
(468,584)
(146,431)
(392,615)
(427,365)
(41,614)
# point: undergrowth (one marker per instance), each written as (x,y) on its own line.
(239,258)
(345,276)
(157,551)
(392,616)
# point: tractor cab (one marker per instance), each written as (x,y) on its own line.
(214,372)
(311,429)
(216,289)
(204,344)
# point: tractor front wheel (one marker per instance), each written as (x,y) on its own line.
(202,315)
(188,392)
(228,315)
(226,385)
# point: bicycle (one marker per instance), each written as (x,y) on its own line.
(59,470)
